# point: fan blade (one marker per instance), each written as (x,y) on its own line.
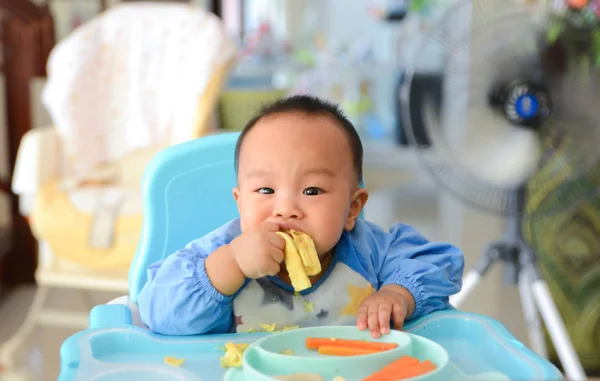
(493,150)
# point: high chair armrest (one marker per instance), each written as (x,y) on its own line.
(38,160)
(117,312)
(109,316)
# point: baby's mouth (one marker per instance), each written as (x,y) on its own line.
(286,226)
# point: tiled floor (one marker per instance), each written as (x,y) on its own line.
(38,357)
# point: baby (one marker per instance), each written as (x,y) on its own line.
(299,166)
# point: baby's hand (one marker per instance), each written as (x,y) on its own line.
(376,311)
(259,252)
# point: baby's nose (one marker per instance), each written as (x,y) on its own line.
(287,209)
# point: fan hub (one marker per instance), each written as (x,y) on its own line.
(523,104)
(526,106)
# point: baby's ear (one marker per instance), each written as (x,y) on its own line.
(357,203)
(236,196)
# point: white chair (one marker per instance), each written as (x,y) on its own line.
(130,82)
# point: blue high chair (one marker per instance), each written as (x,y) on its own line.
(187,193)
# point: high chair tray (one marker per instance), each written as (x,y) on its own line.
(471,346)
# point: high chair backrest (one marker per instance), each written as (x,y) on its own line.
(187,191)
(141,75)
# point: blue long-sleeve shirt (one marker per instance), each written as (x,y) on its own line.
(179,299)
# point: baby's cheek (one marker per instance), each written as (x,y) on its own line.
(249,221)
(324,247)
(329,235)
(253,215)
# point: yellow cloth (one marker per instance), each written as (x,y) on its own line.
(55,220)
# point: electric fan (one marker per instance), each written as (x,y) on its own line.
(515,101)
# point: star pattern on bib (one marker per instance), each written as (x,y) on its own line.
(275,294)
(357,295)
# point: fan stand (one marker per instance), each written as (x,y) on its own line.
(521,269)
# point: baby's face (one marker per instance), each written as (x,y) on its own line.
(297,170)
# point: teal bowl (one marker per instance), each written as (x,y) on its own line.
(265,359)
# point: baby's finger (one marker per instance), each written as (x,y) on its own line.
(398,315)
(277,255)
(270,226)
(272,268)
(277,241)
(361,317)
(373,320)
(385,314)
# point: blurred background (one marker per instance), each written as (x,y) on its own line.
(58,252)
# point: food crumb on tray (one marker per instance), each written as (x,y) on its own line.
(233,355)
(173,361)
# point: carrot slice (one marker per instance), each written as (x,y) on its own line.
(316,342)
(413,371)
(401,363)
(404,367)
(337,350)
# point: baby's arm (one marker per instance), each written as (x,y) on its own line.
(430,271)
(179,297)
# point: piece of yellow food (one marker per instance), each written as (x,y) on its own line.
(308,306)
(308,252)
(268,327)
(301,258)
(287,352)
(273,327)
(233,355)
(173,361)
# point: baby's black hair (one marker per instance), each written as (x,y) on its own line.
(312,106)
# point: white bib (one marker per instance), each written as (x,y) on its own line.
(264,306)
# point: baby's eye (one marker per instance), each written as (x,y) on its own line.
(312,191)
(265,191)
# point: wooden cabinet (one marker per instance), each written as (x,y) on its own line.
(26,38)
